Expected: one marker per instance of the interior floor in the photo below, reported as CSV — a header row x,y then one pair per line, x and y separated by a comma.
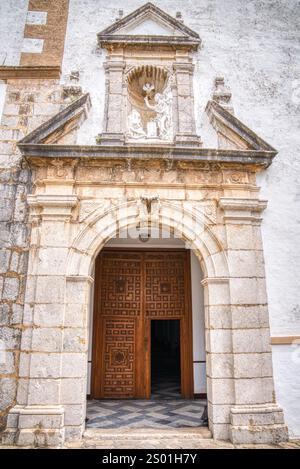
x,y
165,359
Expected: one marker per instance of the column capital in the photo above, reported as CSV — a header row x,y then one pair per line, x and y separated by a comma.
x,y
242,209
52,207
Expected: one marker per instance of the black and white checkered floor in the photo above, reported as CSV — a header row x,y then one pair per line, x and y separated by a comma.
x,y
165,409
141,413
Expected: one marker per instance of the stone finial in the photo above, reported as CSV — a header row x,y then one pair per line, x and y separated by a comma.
x,y
70,93
222,94
179,16
120,15
74,76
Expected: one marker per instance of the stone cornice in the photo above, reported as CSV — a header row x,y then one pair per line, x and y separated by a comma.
x,y
147,41
169,153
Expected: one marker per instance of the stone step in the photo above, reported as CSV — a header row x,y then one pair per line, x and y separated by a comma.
x,y
147,433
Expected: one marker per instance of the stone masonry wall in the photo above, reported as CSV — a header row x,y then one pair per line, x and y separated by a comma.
x,y
27,104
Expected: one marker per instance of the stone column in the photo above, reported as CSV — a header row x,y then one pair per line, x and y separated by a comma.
x,y
39,416
255,417
113,128
186,130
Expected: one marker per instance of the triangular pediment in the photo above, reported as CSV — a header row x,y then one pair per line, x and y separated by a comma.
x,y
62,125
149,24
232,133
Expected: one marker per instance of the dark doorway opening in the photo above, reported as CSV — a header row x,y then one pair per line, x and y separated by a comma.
x,y
165,359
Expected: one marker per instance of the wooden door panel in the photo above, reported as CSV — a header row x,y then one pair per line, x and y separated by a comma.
x,y
121,290
165,285
133,287
118,358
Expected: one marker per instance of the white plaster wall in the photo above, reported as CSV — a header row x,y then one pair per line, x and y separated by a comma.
x,y
197,307
12,23
255,46
286,365
2,96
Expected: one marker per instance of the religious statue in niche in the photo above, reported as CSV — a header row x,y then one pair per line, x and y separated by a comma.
x,y
150,104
161,125
135,125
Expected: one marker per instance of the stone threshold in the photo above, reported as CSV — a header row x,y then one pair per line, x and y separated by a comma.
x,y
140,433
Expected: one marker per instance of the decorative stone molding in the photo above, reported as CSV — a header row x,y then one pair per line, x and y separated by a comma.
x,y
233,133
64,122
242,210
53,207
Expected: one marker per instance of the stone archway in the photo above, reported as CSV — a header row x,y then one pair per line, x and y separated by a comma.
x,y
53,395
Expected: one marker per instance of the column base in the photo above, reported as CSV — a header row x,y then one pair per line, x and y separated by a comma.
x,y
35,426
253,424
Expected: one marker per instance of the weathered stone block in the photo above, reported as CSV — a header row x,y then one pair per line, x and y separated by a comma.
x,y
45,365
47,340
8,388
221,391
252,365
17,313
74,365
218,341
72,390
4,314
76,315
50,289
7,362
10,337
74,414
219,365
43,391
254,391
219,413
75,340
218,317
248,291
49,315
251,340
11,288
249,317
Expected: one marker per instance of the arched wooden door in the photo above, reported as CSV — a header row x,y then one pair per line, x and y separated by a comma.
x,y
132,287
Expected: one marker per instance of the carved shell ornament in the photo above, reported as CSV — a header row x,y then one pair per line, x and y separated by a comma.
x,y
150,104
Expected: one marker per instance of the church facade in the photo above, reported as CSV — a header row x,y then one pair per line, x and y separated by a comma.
x,y
134,193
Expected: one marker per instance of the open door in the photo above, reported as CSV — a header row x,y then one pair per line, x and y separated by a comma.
x,y
132,289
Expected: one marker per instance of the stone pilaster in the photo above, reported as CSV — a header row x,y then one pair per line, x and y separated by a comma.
x,y
186,130
219,358
255,417
113,132
39,416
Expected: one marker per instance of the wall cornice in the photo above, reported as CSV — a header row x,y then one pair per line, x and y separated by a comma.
x,y
168,153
